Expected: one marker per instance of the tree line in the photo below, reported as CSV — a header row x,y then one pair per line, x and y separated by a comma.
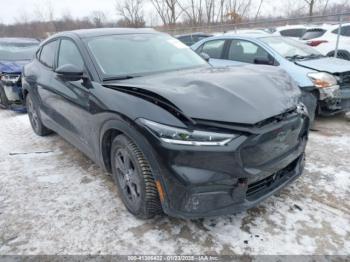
x,y
167,14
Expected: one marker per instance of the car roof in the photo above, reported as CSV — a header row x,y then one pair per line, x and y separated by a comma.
x,y
194,34
18,40
286,27
84,33
244,35
253,32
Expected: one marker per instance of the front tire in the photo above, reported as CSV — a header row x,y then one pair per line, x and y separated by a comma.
x,y
133,175
34,117
4,103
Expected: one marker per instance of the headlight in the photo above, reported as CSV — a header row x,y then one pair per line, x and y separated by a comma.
x,y
322,80
179,136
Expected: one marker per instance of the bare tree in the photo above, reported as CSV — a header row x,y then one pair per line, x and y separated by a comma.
x,y
132,13
45,11
98,18
236,10
210,8
325,7
167,10
258,11
311,6
193,10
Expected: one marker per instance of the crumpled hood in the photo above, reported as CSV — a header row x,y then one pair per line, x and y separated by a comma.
x,y
328,64
243,94
12,67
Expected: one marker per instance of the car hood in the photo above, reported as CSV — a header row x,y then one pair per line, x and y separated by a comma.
x,y
12,67
246,94
328,64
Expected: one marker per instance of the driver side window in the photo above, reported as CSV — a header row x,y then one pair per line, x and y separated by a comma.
x,y
69,54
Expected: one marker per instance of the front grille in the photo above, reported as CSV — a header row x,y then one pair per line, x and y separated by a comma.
x,y
344,79
261,149
263,186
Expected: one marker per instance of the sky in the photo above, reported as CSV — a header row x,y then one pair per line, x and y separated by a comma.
x,y
12,11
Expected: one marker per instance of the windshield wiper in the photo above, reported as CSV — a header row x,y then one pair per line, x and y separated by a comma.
x,y
294,57
115,78
300,57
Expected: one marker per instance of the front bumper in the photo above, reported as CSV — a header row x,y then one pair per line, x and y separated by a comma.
x,y
14,94
337,102
212,181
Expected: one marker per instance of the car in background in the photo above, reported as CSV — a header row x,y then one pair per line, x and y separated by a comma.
x,y
324,39
190,39
177,134
293,31
324,81
14,54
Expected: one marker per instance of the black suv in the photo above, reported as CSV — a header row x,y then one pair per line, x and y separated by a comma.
x,y
178,135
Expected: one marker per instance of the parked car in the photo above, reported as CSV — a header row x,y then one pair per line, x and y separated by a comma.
x,y
293,31
324,81
324,38
177,134
190,39
14,54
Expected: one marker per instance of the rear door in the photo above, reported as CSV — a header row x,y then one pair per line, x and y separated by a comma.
x,y
43,80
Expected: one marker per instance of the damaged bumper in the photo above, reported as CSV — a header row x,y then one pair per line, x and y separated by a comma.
x,y
12,86
212,181
334,100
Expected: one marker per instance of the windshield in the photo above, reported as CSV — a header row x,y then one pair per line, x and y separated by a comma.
x,y
17,51
138,54
290,48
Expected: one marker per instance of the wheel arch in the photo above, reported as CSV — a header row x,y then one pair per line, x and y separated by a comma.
x,y
127,127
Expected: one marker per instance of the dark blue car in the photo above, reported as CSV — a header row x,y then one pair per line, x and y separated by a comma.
x,y
14,54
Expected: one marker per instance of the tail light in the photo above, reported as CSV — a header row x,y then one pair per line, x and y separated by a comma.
x,y
316,42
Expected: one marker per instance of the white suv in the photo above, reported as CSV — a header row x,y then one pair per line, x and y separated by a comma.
x,y
324,39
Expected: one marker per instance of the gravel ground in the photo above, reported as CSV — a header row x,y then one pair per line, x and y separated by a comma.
x,y
53,200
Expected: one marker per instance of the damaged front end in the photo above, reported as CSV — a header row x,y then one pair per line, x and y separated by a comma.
x,y
215,179
11,83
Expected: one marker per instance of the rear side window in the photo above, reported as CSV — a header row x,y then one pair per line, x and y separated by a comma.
x,y
47,55
345,31
313,33
213,48
69,54
245,51
297,32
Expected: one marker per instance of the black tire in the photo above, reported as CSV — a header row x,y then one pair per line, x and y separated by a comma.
x,y
133,175
34,117
4,103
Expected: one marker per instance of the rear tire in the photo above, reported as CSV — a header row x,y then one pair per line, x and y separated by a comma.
x,y
4,103
34,117
133,175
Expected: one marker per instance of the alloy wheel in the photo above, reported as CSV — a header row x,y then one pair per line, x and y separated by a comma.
x,y
33,116
128,178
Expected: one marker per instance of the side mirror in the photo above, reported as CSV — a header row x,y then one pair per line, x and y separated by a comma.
x,y
264,61
205,56
70,72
